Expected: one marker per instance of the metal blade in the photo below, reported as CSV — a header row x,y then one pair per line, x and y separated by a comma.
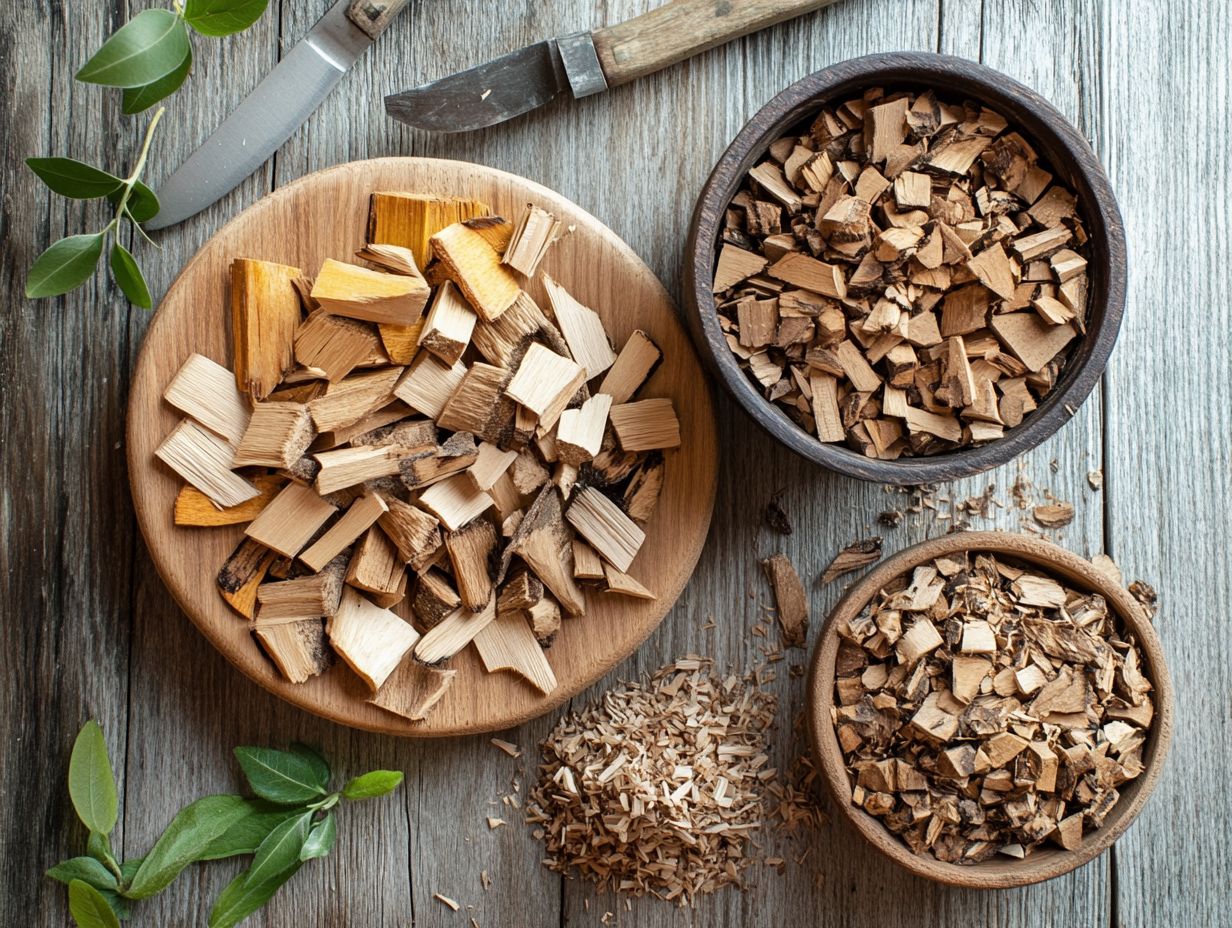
x,y
265,119
486,94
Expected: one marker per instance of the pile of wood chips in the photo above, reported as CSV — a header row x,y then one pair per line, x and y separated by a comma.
x,y
659,788
422,460
907,276
984,708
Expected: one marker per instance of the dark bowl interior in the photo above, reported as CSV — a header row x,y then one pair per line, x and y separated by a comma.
x,y
1068,155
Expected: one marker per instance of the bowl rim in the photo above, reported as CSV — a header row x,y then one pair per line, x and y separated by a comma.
x,y
1046,862
1044,125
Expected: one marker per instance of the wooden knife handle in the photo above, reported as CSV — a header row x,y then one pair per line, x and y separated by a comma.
x,y
374,16
682,28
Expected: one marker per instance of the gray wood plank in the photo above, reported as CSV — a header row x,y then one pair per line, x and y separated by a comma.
x,y
1169,481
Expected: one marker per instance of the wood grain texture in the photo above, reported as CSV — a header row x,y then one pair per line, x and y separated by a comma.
x,y
1045,863
328,212
90,628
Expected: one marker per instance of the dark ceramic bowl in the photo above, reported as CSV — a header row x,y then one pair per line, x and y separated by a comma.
x,y
1068,155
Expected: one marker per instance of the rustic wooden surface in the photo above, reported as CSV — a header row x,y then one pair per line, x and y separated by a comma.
x,y
331,207
89,630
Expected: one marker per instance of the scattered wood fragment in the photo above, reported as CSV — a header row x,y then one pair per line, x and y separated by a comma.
x,y
534,233
1054,515
265,312
278,434
620,583
856,555
204,460
377,569
507,643
790,599
370,639
205,391
413,689
290,520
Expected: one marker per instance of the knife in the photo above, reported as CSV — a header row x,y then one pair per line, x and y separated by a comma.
x,y
585,63
276,107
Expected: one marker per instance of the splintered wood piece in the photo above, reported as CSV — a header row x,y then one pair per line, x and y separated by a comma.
x,y
429,383
964,311
885,128
298,649
521,591
535,232
856,555
454,632
770,177
434,598
241,576
912,190
490,465
543,542
579,433
829,422
544,619
204,460
455,501
933,423
735,264
545,382
411,219
646,425
470,553
504,341
192,507
582,328
377,569
587,565
800,270
401,342
265,312
278,434
206,391
360,516
373,296
620,583
475,266
415,533
447,330
642,492
334,344
610,532
392,258
480,405
308,597
958,375
347,401
790,599
371,640
413,689
287,523
633,365
992,268
1030,339
508,643
390,425
856,367
346,467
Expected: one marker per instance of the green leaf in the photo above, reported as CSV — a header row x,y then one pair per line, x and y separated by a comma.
x,y
192,831
91,784
66,265
142,203
313,756
89,908
86,869
126,273
281,848
247,833
121,906
373,784
129,869
223,17
139,99
281,776
149,46
242,897
321,839
76,179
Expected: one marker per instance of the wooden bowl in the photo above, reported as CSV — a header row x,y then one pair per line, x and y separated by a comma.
x,y
1044,862
325,215
1057,141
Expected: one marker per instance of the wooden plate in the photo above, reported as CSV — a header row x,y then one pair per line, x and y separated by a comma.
x,y
324,215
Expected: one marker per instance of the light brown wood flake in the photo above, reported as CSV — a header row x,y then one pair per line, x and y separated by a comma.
x,y
455,501
507,643
475,266
854,556
579,432
535,232
449,324
192,507
371,640
335,345
359,517
351,399
278,434
373,296
632,367
413,689
204,460
646,425
265,312
454,632
298,649
545,382
287,523
602,523
205,391
429,383
582,329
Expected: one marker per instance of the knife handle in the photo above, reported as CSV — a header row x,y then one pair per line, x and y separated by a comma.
x,y
374,16
680,29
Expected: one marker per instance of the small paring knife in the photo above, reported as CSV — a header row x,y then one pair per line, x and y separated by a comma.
x,y
585,63
276,108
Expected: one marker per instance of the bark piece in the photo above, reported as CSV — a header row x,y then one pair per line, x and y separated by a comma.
x,y
241,575
790,599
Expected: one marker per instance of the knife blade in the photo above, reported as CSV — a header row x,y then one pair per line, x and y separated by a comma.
x,y
585,63
275,108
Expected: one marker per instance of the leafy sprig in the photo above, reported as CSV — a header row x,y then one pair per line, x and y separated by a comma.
x,y
291,820
148,59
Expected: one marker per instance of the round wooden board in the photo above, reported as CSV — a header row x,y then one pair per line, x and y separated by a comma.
x,y
324,215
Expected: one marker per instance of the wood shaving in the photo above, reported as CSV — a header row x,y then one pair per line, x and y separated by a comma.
x,y
508,747
445,900
983,708
856,555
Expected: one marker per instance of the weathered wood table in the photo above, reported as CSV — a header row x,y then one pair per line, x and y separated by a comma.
x,y
88,629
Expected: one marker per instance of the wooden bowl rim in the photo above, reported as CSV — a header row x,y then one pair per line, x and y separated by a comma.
x,y
276,684
1045,126
1045,862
